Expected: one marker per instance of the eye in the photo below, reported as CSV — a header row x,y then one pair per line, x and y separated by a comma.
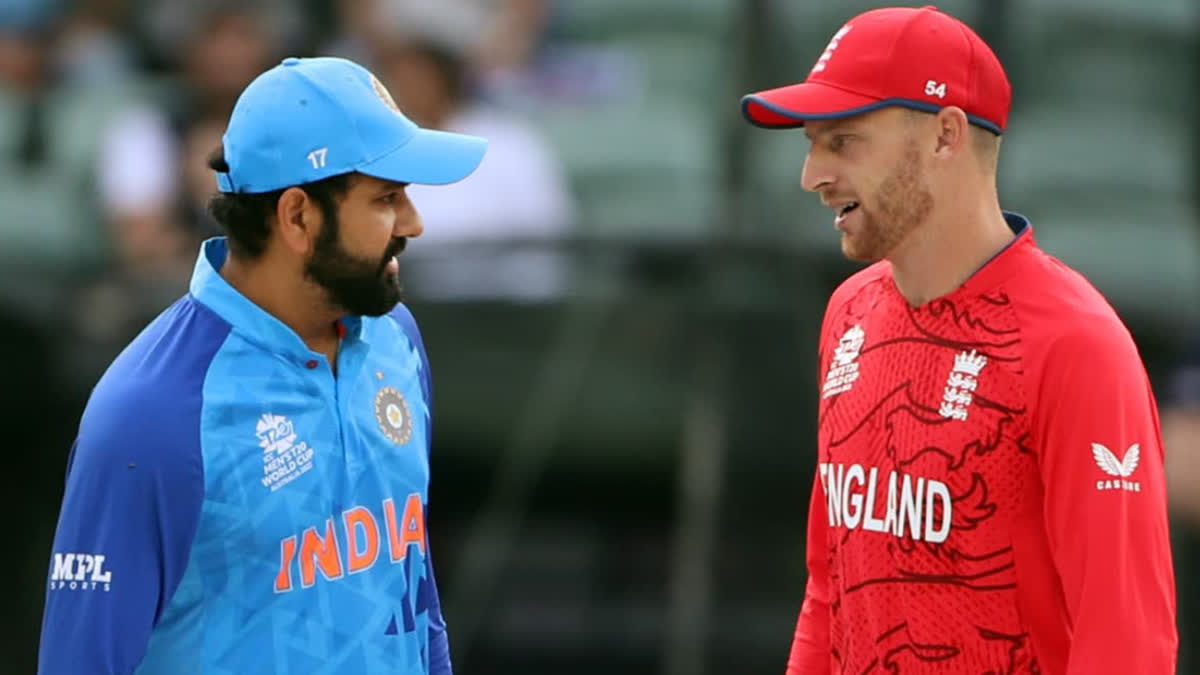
x,y
839,142
389,198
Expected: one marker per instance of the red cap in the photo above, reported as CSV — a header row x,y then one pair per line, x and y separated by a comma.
x,y
916,58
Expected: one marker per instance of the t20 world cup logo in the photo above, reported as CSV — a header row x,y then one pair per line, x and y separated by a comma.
x,y
275,434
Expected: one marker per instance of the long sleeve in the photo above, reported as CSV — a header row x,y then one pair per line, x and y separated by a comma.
x,y
810,645
124,535
1101,462
439,643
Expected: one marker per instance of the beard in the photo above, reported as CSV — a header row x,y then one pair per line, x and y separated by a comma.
x,y
902,203
361,286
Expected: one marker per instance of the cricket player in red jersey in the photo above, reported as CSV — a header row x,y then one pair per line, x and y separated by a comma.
x,y
989,496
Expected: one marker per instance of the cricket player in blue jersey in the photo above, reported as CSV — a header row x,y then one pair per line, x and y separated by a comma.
x,y
248,488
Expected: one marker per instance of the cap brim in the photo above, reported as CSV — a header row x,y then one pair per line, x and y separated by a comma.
x,y
791,106
430,158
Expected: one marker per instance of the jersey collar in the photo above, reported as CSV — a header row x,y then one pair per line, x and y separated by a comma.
x,y
1001,265
250,320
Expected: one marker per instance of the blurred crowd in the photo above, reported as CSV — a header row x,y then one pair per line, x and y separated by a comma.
x,y
109,107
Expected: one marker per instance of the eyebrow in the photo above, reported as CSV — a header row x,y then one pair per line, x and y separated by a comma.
x,y
389,186
838,125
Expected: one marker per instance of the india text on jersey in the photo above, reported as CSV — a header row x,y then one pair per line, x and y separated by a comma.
x,y
362,535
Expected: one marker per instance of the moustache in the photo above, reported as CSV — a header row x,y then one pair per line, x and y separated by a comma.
x,y
828,199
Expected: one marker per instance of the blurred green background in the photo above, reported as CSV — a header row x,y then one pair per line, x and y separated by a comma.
x,y
621,309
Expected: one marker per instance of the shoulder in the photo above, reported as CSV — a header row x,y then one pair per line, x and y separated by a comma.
x,y
403,318
858,282
171,354
864,282
1061,312
1071,335
149,400
401,323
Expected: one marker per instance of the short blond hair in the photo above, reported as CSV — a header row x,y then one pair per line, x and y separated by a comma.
x,y
987,147
984,143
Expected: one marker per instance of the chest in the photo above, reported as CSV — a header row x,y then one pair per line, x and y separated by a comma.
x,y
923,412
302,464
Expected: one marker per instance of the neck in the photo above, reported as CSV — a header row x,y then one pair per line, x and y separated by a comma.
x,y
271,285
948,248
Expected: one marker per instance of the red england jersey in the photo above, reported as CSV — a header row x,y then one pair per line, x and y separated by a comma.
x,y
989,496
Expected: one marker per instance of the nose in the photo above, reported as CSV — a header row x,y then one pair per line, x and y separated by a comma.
x,y
408,221
409,224
816,175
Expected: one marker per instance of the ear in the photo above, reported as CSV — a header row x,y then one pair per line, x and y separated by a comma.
x,y
298,220
953,132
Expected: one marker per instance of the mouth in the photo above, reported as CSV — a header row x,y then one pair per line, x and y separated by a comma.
x,y
391,264
843,212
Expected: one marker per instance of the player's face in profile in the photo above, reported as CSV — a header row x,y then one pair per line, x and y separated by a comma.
x,y
354,257
868,169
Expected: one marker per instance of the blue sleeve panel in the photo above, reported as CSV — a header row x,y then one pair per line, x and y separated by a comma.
x,y
439,644
408,324
134,491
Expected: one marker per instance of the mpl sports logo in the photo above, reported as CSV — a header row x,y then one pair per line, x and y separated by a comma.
x,y
80,572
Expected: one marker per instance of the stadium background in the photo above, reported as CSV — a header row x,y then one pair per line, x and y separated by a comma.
x,y
623,443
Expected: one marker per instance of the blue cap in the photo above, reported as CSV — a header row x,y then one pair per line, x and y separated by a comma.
x,y
308,119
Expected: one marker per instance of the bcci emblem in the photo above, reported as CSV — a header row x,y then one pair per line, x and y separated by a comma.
x,y
384,95
391,411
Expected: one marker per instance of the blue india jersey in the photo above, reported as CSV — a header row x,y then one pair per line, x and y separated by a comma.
x,y
234,506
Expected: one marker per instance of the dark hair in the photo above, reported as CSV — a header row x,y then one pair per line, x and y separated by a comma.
x,y
245,216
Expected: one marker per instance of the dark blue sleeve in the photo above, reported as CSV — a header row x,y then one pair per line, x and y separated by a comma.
x,y
124,534
439,644
134,490
408,324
